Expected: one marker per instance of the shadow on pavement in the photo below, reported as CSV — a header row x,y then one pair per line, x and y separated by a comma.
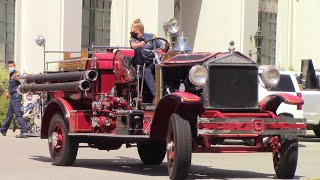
x,y
135,166
309,138
41,158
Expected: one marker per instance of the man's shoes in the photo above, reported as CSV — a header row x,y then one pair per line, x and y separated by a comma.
x,y
21,135
4,133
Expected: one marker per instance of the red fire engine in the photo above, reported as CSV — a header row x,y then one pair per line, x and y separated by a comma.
x,y
202,99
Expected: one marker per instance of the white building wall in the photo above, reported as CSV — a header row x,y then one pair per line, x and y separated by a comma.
x,y
297,33
152,14
210,25
59,21
283,43
28,24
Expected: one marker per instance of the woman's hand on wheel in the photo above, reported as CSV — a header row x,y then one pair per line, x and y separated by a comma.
x,y
142,43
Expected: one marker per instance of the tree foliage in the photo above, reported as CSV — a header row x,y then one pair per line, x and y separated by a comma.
x,y
4,102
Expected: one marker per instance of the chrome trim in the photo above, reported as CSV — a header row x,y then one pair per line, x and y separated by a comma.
x,y
281,132
79,110
217,120
109,135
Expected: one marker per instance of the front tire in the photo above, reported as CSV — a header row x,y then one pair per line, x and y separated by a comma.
x,y
63,148
285,162
152,152
179,147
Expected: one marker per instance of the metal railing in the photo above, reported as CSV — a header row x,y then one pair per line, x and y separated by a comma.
x,y
93,60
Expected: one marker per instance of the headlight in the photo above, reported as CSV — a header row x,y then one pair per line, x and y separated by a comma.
x,y
270,76
198,75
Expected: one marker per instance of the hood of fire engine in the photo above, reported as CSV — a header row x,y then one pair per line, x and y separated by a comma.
x,y
208,58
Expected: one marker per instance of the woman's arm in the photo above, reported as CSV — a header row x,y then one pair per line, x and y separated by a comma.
x,y
165,47
135,45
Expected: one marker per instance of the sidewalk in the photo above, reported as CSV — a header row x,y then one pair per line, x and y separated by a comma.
x,y
10,133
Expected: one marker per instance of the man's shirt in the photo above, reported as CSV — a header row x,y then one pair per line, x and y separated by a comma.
x,y
13,83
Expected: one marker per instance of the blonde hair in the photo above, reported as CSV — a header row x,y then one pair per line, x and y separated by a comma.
x,y
137,24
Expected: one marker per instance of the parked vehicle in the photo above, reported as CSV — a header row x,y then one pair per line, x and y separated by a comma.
x,y
287,84
309,79
201,99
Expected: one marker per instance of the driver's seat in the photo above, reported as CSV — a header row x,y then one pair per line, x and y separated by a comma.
x,y
122,66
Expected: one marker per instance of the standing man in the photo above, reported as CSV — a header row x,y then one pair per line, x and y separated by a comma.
x,y
15,102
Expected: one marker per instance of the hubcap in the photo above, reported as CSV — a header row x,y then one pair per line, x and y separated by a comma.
x,y
54,139
276,159
170,146
170,149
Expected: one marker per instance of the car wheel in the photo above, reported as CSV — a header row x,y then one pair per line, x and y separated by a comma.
x,y
317,131
63,148
285,161
152,152
179,147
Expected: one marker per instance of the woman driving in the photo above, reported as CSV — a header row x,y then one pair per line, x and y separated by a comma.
x,y
143,55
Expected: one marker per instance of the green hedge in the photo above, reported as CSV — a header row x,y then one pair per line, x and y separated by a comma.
x,y
4,103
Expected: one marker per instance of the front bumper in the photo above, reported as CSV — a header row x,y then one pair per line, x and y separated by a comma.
x,y
252,126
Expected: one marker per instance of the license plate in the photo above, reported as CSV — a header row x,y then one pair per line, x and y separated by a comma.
x,y
289,136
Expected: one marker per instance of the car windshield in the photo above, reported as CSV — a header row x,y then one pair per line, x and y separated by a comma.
x,y
285,84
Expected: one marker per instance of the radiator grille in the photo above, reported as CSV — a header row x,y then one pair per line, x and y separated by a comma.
x,y
233,87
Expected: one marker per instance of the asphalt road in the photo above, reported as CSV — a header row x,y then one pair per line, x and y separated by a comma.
x,y
29,159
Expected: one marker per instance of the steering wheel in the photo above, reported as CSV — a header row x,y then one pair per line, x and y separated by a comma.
x,y
155,49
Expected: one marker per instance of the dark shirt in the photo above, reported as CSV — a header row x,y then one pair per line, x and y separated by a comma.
x,y
145,37
13,84
137,59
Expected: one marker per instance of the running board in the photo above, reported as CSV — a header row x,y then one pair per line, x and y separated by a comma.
x,y
113,136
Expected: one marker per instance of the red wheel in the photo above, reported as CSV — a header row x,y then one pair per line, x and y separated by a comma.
x,y
179,147
63,149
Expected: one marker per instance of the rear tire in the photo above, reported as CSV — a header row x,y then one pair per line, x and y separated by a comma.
x,y
285,162
152,152
317,131
179,147
63,148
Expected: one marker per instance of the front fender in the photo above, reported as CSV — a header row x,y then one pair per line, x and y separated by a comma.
x,y
56,105
273,101
183,103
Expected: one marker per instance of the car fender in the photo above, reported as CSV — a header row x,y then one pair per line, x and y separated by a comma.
x,y
183,103
56,105
273,101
